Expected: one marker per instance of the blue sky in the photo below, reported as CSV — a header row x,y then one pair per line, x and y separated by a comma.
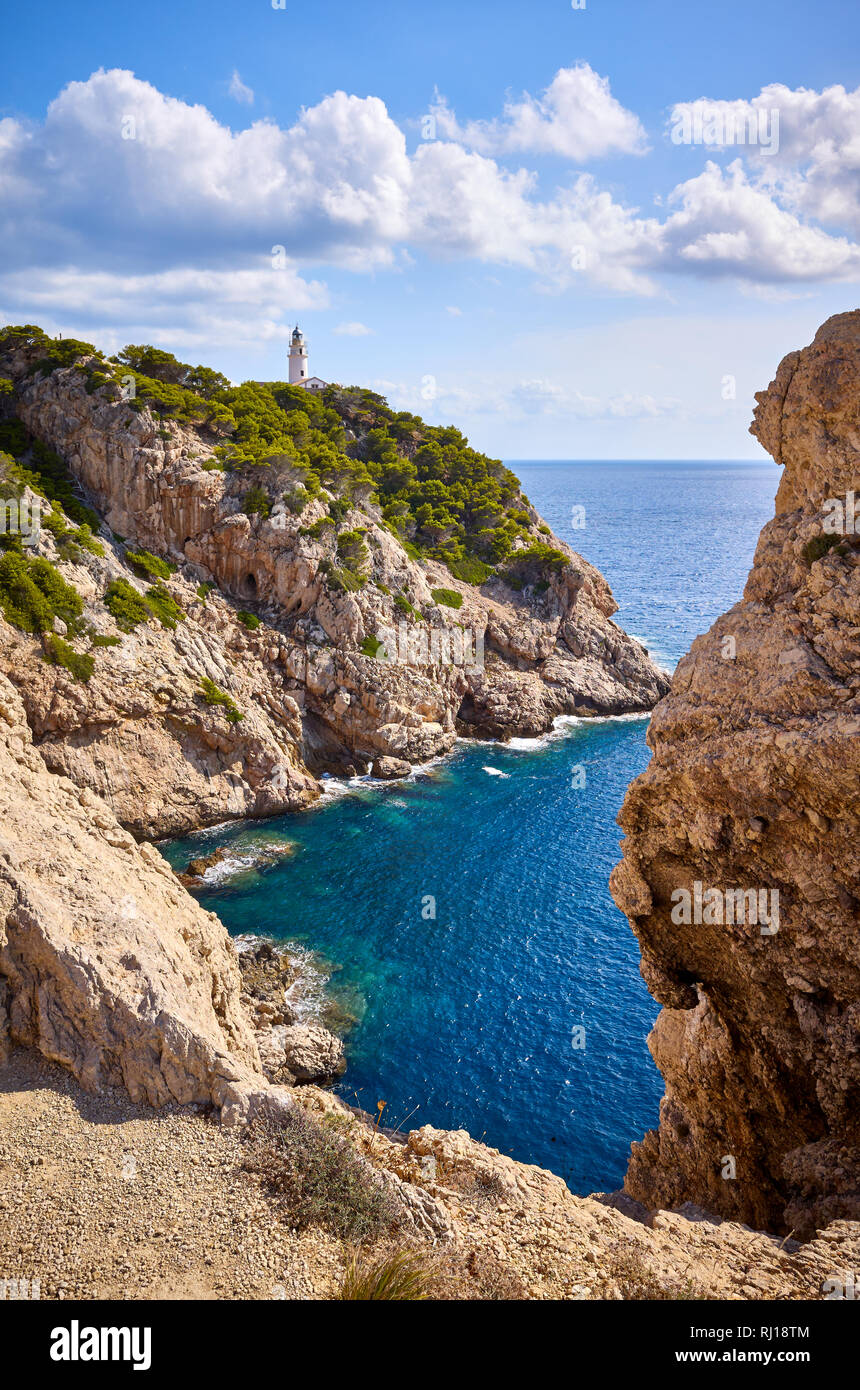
x,y
508,219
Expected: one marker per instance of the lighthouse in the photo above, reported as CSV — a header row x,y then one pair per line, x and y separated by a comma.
x,y
298,359
299,365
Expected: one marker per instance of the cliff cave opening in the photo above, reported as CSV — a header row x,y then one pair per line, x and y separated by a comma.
x,y
249,586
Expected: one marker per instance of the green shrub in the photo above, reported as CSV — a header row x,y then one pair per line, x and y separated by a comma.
x,y
315,531
214,696
38,467
205,589
59,653
164,607
129,609
250,620
449,597
819,546
347,579
14,438
470,570
84,537
11,480
534,563
341,579
296,500
317,1179
98,640
126,606
371,646
352,550
33,593
22,601
66,603
256,502
149,566
402,602
68,551
71,540
170,401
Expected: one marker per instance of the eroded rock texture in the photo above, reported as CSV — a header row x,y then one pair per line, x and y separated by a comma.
x,y
107,965
754,785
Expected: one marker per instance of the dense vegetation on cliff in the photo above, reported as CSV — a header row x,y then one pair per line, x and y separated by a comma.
x,y
438,495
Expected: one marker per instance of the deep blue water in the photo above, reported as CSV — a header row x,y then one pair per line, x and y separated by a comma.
x,y
467,1019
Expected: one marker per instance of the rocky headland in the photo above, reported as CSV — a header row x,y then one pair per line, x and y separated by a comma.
x,y
280,610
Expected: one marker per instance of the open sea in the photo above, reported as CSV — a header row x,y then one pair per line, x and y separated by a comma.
x,y
461,920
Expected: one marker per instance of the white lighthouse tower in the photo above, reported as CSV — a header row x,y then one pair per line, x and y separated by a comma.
x,y
298,359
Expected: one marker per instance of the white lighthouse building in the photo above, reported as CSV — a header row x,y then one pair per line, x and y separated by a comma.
x,y
299,364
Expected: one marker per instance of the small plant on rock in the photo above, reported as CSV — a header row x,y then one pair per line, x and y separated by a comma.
x,y
317,1179
214,696
401,1276
59,653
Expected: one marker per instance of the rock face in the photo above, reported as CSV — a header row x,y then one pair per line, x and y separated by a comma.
x,y
107,965
753,785
138,734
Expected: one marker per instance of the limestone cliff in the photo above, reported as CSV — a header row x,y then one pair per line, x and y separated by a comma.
x,y
753,785
313,698
107,965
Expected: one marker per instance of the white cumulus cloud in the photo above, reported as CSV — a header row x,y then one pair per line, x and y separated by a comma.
x,y
576,117
802,146
726,224
126,201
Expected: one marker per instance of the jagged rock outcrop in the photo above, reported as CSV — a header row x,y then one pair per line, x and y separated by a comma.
x,y
140,734
107,965
313,700
754,784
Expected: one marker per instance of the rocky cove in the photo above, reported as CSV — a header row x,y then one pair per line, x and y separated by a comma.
x,y
110,969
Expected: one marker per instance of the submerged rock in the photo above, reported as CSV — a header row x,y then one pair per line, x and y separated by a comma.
x,y
194,873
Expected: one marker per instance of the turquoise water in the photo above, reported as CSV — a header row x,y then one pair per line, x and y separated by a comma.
x,y
462,918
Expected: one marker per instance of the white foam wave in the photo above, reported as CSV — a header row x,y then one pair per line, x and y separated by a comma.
x,y
245,858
